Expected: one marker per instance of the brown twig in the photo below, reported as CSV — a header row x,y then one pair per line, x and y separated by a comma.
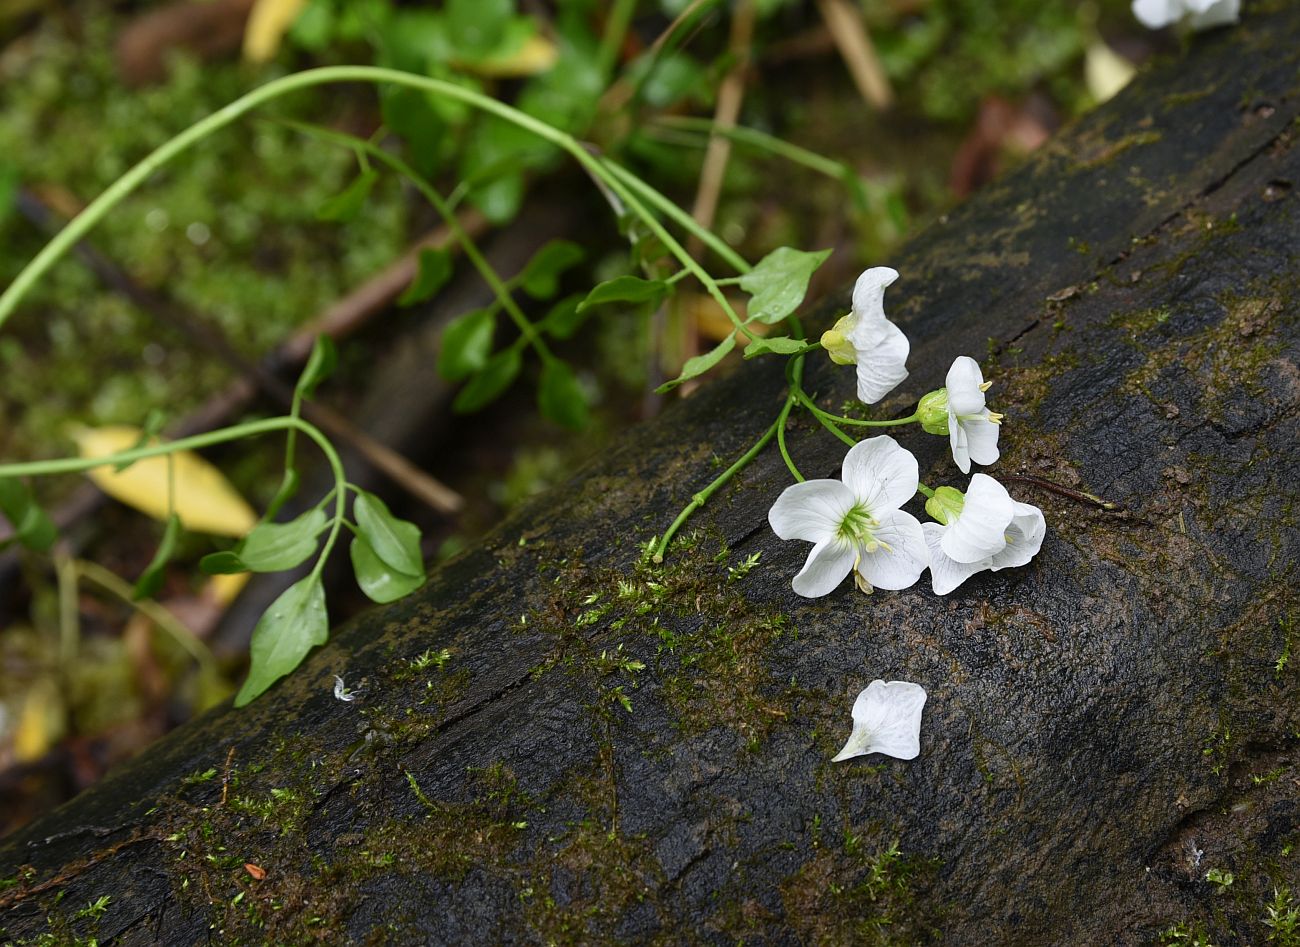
x,y
1068,492
338,320
844,22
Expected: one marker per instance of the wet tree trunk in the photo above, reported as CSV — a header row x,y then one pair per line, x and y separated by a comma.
x,y
1105,727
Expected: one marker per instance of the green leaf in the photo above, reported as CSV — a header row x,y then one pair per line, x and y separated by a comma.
x,y
221,563
629,289
466,344
410,116
320,365
151,579
345,205
778,284
541,277
396,542
377,579
499,199
776,345
564,318
274,547
477,27
561,398
490,382
432,275
294,624
700,364
31,526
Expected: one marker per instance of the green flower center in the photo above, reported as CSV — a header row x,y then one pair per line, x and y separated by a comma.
x,y
858,527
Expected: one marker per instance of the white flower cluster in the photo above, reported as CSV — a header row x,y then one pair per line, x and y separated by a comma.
x,y
857,523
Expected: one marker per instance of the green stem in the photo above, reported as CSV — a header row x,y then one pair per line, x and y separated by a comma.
x,y
684,220
761,140
853,422
82,224
925,490
702,497
38,468
780,439
499,287
615,32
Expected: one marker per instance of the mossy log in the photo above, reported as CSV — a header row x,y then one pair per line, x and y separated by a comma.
x,y
1110,730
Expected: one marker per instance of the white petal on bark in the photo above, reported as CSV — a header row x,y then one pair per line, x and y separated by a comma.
x,y
947,574
881,474
1212,14
982,439
886,719
1024,538
827,565
959,441
869,291
963,384
811,510
881,349
1156,14
980,531
902,555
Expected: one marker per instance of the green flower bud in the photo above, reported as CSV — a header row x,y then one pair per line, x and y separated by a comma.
x,y
933,412
836,343
946,504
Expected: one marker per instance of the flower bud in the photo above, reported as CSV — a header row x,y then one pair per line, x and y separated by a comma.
x,y
946,505
933,412
836,343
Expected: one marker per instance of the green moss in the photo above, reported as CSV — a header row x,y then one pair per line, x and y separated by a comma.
x,y
847,895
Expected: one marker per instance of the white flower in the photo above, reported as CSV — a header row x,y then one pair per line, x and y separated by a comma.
x,y
341,691
1199,14
972,427
886,719
985,529
866,338
856,523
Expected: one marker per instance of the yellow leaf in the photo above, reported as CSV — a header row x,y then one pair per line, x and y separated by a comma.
x,y
205,500
537,54
1105,71
268,21
41,722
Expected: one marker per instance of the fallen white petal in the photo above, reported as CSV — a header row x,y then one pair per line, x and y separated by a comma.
x,y
886,719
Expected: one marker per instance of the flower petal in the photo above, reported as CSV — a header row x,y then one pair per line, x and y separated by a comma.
x,y
945,573
965,396
881,349
902,555
886,719
880,474
981,529
1217,13
959,441
827,565
1024,538
1155,14
811,510
869,291
982,436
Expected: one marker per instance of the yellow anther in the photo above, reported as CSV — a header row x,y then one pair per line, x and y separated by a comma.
x,y
995,417
986,386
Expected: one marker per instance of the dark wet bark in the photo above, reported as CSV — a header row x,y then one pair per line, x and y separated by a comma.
x,y
1104,727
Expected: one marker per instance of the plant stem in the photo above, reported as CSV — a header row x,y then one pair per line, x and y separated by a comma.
x,y
38,468
500,288
678,216
616,25
761,140
79,226
925,490
853,422
702,497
